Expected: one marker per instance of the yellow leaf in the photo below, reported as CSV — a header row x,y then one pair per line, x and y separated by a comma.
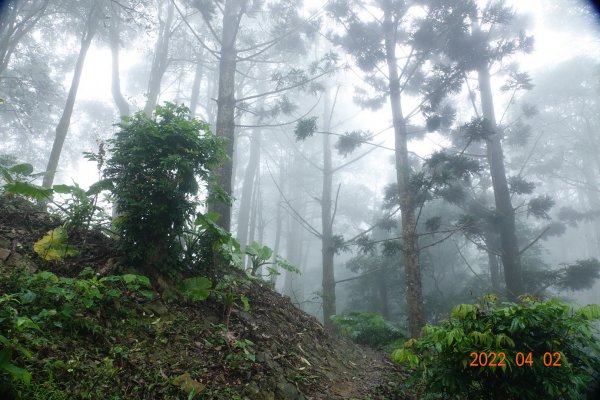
x,y
53,247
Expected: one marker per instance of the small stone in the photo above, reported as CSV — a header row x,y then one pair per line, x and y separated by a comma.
x,y
17,260
187,384
4,253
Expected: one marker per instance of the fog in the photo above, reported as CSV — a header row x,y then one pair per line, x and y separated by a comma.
x,y
495,192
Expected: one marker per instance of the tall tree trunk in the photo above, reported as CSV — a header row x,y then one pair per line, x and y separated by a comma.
x,y
382,280
278,223
232,16
65,120
254,210
294,232
490,242
161,58
410,245
115,44
508,237
293,255
211,93
196,85
247,187
327,251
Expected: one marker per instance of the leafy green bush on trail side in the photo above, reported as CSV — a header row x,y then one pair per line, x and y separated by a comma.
x,y
34,304
369,329
155,167
441,358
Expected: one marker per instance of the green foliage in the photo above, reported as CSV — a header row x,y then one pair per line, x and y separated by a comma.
x,y
583,274
28,190
11,321
347,143
442,357
35,304
156,165
368,328
519,185
196,288
479,129
305,128
211,244
243,355
539,206
79,208
259,256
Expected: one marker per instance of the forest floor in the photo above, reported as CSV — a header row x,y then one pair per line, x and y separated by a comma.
x,y
135,348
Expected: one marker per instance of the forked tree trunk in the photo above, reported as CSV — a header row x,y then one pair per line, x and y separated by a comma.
x,y
65,120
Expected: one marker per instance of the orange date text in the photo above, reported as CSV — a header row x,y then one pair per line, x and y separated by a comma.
x,y
493,359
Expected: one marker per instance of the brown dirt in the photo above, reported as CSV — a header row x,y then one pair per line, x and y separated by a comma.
x,y
295,357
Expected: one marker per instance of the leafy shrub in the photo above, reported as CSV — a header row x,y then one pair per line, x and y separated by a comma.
x,y
35,304
442,357
367,328
155,166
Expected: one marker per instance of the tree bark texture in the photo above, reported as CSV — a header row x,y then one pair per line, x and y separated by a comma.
x,y
65,120
232,16
508,238
410,245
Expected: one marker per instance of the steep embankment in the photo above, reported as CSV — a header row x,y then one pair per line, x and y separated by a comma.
x,y
131,347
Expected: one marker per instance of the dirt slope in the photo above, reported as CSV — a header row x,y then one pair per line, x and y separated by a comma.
x,y
163,350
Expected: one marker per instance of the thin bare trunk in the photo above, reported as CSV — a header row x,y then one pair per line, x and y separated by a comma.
x,y
278,223
196,86
115,44
247,187
327,250
65,120
160,60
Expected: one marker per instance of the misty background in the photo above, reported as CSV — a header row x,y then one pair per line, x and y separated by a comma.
x,y
314,147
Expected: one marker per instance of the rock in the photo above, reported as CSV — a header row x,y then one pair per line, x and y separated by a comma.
x,y
187,384
253,392
287,391
156,307
17,260
4,253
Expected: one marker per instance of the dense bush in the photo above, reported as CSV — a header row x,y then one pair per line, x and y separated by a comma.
x,y
370,329
443,356
156,167
35,306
